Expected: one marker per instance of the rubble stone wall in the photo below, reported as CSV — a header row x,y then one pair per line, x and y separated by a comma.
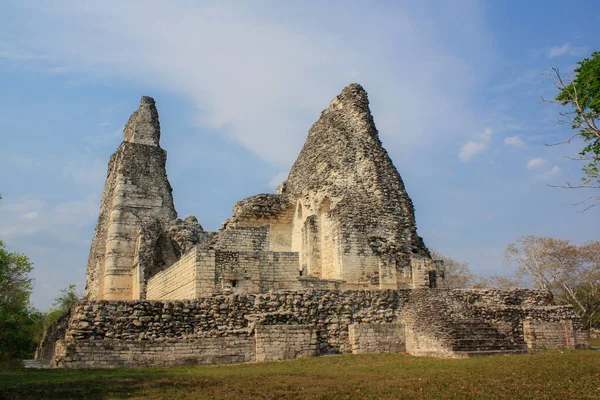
x,y
437,322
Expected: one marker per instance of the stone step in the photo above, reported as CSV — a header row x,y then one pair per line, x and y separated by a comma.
x,y
484,353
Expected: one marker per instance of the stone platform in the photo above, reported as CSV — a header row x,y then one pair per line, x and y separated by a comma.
x,y
225,329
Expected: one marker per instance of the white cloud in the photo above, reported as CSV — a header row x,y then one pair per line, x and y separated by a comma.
x,y
514,141
549,174
31,215
261,74
536,163
470,149
559,50
566,49
63,219
474,147
278,179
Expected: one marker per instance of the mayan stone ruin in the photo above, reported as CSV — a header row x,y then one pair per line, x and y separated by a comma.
x,y
331,263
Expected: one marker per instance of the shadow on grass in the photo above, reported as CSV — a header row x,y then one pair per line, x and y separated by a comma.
x,y
104,388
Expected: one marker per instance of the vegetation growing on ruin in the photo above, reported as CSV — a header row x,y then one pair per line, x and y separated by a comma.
x,y
549,375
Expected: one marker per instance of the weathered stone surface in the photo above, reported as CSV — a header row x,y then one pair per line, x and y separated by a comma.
x,y
332,263
299,323
343,163
377,338
137,224
343,208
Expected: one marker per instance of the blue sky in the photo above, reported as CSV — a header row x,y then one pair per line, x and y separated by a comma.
x,y
454,89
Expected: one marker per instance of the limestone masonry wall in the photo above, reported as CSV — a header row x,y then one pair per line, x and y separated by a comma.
x,y
285,342
178,282
551,335
116,353
377,338
252,327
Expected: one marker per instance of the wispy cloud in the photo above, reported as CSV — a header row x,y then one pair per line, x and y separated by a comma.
x,y
31,215
24,56
268,71
549,173
566,49
477,146
536,163
514,141
63,220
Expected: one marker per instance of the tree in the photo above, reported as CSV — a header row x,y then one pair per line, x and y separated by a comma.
x,y
457,274
498,282
569,271
62,304
581,96
18,320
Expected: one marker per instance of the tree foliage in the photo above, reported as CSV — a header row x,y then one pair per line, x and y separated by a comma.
x,y
581,97
62,304
456,274
571,272
19,322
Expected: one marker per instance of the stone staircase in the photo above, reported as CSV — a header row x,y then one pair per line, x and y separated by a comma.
x,y
454,325
476,337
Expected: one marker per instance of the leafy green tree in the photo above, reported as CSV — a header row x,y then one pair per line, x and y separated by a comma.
x,y
62,304
19,322
581,97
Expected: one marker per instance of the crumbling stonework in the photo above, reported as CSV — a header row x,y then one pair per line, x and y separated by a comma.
x,y
344,208
137,225
282,325
331,263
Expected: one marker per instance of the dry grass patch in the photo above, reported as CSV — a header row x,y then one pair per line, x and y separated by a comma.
x,y
549,375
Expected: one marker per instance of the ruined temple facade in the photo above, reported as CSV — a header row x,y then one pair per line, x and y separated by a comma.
x,y
341,220
330,264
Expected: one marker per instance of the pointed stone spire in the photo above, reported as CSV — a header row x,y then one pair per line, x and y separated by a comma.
x,y
137,192
143,126
344,166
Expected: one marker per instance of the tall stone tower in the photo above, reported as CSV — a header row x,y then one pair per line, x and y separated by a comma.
x,y
344,208
136,192
346,179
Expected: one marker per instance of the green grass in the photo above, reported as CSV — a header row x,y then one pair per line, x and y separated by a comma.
x,y
595,342
548,375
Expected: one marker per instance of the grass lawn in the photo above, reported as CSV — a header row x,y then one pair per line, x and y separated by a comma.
x,y
548,375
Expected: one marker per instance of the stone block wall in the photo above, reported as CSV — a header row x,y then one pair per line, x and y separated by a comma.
x,y
178,282
203,272
243,239
550,335
129,353
281,272
285,342
377,338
